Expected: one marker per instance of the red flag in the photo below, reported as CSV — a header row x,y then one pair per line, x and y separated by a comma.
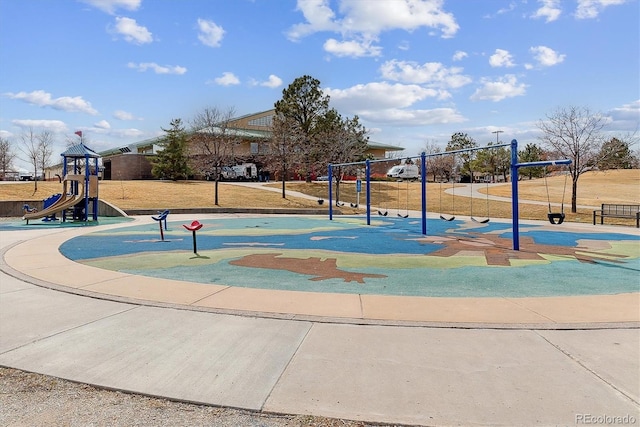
x,y
79,133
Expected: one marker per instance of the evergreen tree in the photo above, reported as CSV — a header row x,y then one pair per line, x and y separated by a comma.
x,y
532,153
615,154
173,161
462,141
302,105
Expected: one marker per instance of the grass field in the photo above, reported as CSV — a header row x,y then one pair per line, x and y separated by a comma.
x,y
594,188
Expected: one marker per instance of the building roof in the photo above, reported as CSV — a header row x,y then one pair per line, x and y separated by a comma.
x,y
387,147
80,151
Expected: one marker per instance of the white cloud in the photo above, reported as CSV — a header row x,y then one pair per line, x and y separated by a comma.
x,y
365,20
625,118
505,87
501,58
227,79
351,48
319,17
382,95
210,33
132,32
431,73
126,133
158,69
273,82
103,124
55,126
546,56
590,9
110,6
459,55
124,115
549,10
64,103
401,117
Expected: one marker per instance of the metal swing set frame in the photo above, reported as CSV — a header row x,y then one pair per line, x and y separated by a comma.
x,y
515,167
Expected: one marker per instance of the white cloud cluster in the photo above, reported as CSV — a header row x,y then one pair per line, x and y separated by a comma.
x,y
459,55
273,81
497,90
402,117
390,103
131,31
433,74
501,58
590,9
352,48
361,22
227,79
210,33
381,94
550,10
625,117
158,69
124,115
545,56
64,103
55,126
103,124
110,6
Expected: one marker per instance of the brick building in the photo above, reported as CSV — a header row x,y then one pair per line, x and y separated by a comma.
x,y
133,161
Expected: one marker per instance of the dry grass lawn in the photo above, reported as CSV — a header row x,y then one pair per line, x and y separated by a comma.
x,y
594,188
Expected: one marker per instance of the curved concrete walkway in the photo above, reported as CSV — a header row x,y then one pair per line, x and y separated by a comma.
x,y
562,362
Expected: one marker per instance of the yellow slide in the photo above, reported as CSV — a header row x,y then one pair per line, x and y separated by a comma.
x,y
65,201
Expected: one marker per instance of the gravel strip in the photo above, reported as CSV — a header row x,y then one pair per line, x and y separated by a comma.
x,y
28,399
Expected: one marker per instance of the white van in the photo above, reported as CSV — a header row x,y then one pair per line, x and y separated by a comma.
x,y
404,172
245,172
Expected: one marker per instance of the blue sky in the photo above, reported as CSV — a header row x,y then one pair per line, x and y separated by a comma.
x,y
414,71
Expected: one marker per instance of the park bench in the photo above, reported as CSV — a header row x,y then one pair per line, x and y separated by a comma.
x,y
617,211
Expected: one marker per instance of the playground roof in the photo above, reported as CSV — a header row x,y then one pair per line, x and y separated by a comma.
x,y
80,150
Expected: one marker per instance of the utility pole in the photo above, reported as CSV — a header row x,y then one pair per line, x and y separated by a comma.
x,y
497,132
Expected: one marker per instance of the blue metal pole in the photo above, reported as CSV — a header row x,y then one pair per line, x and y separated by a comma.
x,y
423,172
367,172
514,195
330,193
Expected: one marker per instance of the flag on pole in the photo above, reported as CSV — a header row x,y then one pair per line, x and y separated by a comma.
x,y
79,133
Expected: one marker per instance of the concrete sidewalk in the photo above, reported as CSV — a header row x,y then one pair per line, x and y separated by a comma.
x,y
395,374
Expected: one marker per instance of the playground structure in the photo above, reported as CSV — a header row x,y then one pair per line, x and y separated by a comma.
x,y
515,167
79,195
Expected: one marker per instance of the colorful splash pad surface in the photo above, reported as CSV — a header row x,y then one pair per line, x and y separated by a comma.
x,y
390,257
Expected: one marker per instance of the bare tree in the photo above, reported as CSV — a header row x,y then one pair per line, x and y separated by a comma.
x,y
284,149
45,151
7,155
30,148
438,165
339,140
574,133
213,143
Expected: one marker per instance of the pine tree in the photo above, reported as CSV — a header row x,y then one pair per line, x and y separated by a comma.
x,y
173,161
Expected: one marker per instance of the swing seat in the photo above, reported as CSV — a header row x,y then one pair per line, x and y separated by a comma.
x,y
447,219
480,221
385,213
556,218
